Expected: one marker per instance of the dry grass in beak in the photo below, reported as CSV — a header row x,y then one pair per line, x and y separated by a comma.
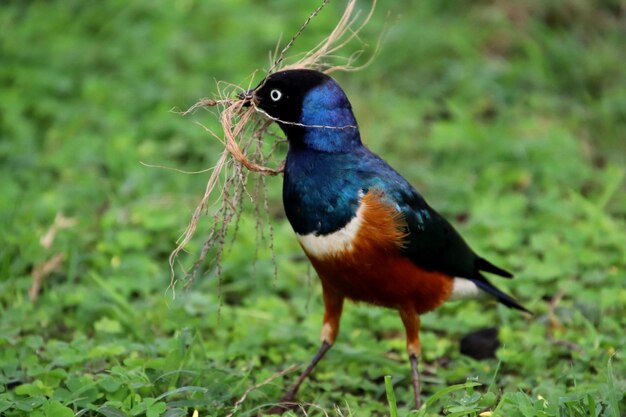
x,y
243,132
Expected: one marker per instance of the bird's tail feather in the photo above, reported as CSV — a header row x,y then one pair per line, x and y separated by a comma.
x,y
505,299
484,265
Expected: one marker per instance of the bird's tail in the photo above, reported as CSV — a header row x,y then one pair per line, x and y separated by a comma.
x,y
484,265
504,298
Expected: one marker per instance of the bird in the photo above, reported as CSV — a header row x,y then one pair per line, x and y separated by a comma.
x,y
370,236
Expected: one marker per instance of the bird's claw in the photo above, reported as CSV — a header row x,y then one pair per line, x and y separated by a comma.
x,y
286,403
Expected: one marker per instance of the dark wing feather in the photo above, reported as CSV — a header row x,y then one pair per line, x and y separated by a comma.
x,y
433,244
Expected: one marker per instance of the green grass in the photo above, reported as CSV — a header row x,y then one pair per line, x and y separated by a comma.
x,y
508,116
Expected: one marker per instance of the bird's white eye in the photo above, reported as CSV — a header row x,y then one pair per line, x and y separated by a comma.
x,y
275,95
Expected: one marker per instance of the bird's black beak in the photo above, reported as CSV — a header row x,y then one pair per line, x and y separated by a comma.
x,y
247,97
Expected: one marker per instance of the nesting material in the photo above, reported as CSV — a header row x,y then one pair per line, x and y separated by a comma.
x,y
243,129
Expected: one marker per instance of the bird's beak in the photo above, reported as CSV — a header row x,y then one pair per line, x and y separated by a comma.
x,y
247,97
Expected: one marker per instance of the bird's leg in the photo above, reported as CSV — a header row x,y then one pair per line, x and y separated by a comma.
x,y
411,321
415,373
333,305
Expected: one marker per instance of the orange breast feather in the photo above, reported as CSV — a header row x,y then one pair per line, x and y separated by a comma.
x,y
371,267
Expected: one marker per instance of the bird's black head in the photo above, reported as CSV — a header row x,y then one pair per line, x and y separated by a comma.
x,y
310,107
282,94
301,102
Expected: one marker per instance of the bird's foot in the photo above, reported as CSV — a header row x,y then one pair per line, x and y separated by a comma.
x,y
288,402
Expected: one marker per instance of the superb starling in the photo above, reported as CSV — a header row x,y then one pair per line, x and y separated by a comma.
x,y
370,236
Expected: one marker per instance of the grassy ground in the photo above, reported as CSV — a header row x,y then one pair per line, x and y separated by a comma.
x,y
508,116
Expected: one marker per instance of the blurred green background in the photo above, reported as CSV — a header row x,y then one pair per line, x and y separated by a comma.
x,y
508,116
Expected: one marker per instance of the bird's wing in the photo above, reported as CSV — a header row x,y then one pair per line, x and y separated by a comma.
x,y
431,242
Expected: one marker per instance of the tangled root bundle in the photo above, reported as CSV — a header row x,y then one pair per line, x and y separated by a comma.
x,y
243,131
